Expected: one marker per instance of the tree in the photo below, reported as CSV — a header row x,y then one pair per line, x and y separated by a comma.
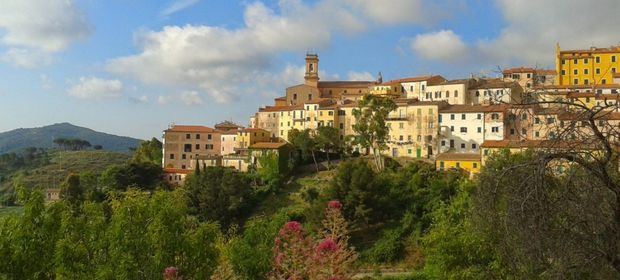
x,y
71,190
327,138
537,207
219,194
370,125
354,185
149,151
304,142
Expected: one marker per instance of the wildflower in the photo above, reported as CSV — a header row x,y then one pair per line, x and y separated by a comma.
x,y
334,204
327,245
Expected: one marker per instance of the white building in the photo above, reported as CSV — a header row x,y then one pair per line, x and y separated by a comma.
x,y
461,129
415,87
494,91
454,92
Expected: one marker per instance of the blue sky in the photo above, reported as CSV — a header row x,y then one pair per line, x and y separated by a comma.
x,y
131,67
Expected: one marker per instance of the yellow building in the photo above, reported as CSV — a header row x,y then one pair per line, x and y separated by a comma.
x,y
592,66
249,136
470,162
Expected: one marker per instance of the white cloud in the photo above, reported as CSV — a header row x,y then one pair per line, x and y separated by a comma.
x,y
529,34
49,25
442,45
191,98
143,99
360,76
187,98
532,30
228,63
93,88
178,6
26,58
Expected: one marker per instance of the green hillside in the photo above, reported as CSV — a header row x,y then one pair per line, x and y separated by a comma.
x,y
62,163
43,137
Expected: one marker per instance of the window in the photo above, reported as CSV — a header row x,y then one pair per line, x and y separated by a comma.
x,y
475,165
537,134
401,138
183,166
443,143
439,119
447,93
458,165
401,125
462,116
477,93
597,59
187,136
183,156
512,131
197,146
441,165
341,126
613,58
451,128
563,72
575,81
603,81
463,129
423,86
523,131
474,146
486,152
171,156
187,148
281,132
524,116
529,75
563,61
209,136
295,96
586,81
479,129
451,143
575,61
456,93
452,116
613,70
462,145
575,71
536,120
587,98
419,138
495,129
494,116
330,113
479,116
585,61
597,71
586,71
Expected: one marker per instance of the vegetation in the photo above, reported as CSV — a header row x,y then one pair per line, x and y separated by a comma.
x,y
41,137
371,130
72,144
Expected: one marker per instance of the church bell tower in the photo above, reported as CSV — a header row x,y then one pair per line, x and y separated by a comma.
x,y
312,70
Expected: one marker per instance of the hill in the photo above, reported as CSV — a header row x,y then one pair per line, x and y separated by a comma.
x,y
42,137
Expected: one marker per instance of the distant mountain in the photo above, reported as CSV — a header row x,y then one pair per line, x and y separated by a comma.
x,y
43,137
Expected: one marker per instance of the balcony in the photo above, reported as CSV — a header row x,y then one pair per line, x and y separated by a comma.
x,y
396,117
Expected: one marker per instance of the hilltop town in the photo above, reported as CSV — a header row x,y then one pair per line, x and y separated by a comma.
x,y
455,123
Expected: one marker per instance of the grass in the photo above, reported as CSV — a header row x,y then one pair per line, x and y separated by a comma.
x,y
11,210
63,163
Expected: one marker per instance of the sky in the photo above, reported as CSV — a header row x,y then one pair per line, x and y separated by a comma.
x,y
133,67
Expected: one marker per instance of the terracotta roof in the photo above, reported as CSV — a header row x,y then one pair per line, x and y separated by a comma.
x,y
612,49
281,108
543,144
435,78
493,83
253,130
617,75
580,94
354,84
455,82
178,171
283,98
268,145
473,108
603,115
459,156
229,132
529,70
569,87
190,128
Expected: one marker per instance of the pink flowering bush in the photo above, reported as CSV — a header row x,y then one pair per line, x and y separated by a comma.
x,y
172,273
296,256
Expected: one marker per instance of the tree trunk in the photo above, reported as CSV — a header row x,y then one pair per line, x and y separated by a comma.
x,y
615,258
328,161
316,165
